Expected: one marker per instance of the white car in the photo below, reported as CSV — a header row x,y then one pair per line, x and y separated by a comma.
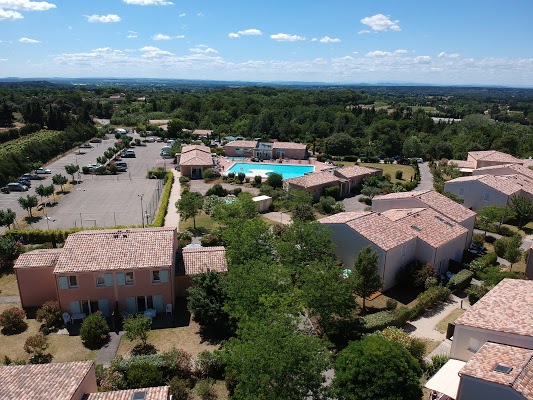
x,y
43,171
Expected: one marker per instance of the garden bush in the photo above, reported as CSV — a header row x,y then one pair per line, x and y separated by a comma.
x,y
209,365
179,389
205,389
415,274
209,174
275,180
378,321
237,191
489,259
217,190
210,240
461,280
231,175
391,304
436,363
332,191
159,219
50,316
94,331
144,375
476,292
402,315
12,321
257,180
478,239
430,298
184,179
500,245
398,174
241,177
35,346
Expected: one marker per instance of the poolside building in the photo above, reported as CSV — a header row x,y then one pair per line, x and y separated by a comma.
x,y
194,160
266,150
316,182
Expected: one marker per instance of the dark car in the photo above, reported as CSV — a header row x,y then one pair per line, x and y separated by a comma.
x,y
5,189
95,140
24,181
128,154
86,146
17,187
31,177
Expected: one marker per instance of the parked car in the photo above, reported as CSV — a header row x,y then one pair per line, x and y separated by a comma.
x,y
95,140
41,171
159,140
93,167
5,189
150,140
17,187
24,181
128,154
121,164
31,177
86,146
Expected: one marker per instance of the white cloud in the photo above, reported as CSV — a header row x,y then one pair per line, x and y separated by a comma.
x,y
28,40
381,23
148,2
442,54
246,32
103,19
422,60
379,53
314,39
362,32
3,59
200,14
400,51
161,36
327,39
10,15
26,5
131,35
203,49
285,37
149,48
154,52
182,15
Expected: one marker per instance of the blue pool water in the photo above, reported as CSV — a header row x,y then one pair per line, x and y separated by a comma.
x,y
236,158
286,170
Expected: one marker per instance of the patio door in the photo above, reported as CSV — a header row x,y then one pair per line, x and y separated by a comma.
x,y
158,303
103,306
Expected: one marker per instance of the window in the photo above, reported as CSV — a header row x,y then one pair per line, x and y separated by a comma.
x,y
486,196
156,277
144,303
129,278
100,280
72,281
160,276
461,191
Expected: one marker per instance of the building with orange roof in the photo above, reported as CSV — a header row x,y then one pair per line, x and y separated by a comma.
x,y
194,160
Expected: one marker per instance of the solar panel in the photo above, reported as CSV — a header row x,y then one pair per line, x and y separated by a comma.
x,y
503,369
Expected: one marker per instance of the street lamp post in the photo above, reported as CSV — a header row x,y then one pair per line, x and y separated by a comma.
x,y
142,211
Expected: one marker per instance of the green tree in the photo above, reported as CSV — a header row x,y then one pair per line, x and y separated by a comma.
x,y
94,331
370,191
6,116
8,251
61,180
36,345
376,368
274,361
175,127
7,217
137,327
28,203
275,180
412,147
495,214
71,169
339,144
206,300
365,279
189,206
522,207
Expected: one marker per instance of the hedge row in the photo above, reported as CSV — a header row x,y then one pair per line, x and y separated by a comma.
x,y
461,280
379,321
159,220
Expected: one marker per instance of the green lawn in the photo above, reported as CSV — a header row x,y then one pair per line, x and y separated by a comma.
x,y
442,325
8,284
203,223
390,169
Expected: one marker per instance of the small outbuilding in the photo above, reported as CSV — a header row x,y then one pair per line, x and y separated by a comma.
x,y
263,203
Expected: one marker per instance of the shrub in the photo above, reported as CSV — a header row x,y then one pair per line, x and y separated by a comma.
x,y
12,321
94,331
478,239
217,190
184,179
430,298
489,259
144,375
332,191
414,275
257,180
159,219
209,174
247,180
365,200
275,180
391,304
35,346
378,321
85,169
205,389
179,389
111,380
240,177
231,175
237,191
417,348
436,363
430,282
398,174
49,314
476,292
402,315
210,240
490,239
209,365
461,280
500,246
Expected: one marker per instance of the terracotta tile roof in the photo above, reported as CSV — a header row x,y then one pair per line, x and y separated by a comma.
x,y
289,145
431,227
200,132
445,205
520,378
395,214
313,179
152,393
251,144
58,381
38,258
493,155
197,260
343,217
506,308
463,163
190,147
400,195
115,249
158,121
355,171
505,183
196,157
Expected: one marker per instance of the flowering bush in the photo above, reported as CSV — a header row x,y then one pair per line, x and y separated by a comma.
x,y
12,321
50,315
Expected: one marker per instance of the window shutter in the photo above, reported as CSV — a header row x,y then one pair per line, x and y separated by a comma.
x,y
108,279
158,303
163,275
120,279
103,307
75,307
63,282
131,305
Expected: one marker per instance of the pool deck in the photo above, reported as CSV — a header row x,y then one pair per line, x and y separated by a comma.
x,y
225,164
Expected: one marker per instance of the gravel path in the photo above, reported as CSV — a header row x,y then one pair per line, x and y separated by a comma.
x,y
173,218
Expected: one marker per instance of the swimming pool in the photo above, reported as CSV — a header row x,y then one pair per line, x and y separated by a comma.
x,y
263,169
236,158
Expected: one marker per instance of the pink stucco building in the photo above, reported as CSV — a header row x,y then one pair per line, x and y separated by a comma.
x,y
103,270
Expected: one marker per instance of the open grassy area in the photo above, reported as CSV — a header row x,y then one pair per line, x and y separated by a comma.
x,y
442,325
203,222
8,284
184,337
62,347
391,169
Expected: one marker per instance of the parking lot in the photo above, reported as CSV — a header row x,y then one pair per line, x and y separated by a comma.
x,y
101,200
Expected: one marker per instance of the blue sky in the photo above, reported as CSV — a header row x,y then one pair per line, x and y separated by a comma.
x,y
357,41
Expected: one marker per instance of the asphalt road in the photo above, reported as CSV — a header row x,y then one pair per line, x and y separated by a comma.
x,y
103,201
